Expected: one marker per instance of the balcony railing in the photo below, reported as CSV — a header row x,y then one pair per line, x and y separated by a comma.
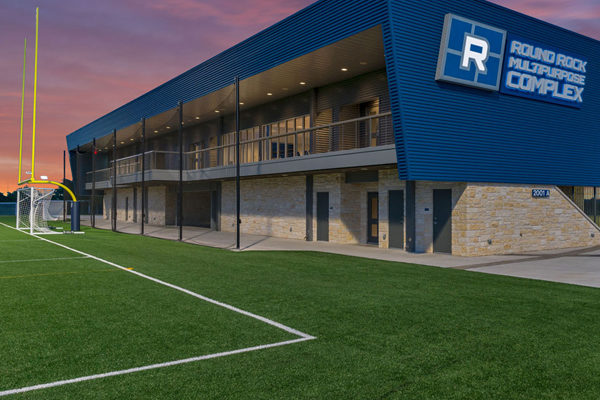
x,y
260,146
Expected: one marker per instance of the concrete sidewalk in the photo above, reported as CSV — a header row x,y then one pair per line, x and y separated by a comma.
x,y
576,266
226,240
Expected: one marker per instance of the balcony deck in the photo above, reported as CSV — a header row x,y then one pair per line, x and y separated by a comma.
x,y
361,142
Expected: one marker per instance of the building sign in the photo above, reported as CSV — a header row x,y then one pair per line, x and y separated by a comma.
x,y
471,53
540,193
540,72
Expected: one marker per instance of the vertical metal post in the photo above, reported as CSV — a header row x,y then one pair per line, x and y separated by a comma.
x,y
309,207
93,211
237,162
63,181
113,214
143,172
77,173
595,205
180,186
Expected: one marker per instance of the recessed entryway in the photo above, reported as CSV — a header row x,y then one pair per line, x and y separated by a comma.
x,y
442,220
396,219
323,216
373,217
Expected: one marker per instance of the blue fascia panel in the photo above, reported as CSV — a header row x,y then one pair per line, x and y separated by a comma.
x,y
462,134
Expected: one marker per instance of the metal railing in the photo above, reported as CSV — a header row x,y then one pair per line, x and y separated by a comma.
x,y
262,145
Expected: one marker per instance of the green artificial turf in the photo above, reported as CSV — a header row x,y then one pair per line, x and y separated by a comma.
x,y
384,330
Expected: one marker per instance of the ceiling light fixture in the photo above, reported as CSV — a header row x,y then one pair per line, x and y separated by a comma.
x,y
344,69
217,111
269,94
241,103
155,131
197,117
303,83
122,142
131,139
363,63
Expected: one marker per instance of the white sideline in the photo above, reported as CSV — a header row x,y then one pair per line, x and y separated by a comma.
x,y
42,259
147,367
303,336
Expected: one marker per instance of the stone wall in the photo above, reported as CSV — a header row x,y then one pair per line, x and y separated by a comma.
x,y
424,214
269,206
156,205
347,207
126,209
388,180
515,222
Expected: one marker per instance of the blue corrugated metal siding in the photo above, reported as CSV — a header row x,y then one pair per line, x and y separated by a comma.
x,y
318,25
454,133
395,96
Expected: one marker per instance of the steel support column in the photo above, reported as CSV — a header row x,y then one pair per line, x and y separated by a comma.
x,y
93,205
64,183
180,186
143,173
113,213
237,162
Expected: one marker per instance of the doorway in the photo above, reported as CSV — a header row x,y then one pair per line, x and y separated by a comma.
x,y
323,216
396,218
373,217
442,220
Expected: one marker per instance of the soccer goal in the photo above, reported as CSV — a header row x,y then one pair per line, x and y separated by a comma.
x,y
33,210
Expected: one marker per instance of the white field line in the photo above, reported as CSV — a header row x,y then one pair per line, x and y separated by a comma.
x,y
41,259
303,336
152,366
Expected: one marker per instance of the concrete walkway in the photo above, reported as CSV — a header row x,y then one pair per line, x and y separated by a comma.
x,y
576,266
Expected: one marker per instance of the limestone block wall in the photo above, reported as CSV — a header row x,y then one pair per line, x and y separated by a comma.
x,y
347,207
388,180
157,205
269,206
354,210
515,222
330,183
424,214
127,211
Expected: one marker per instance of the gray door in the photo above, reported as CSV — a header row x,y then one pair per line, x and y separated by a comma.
x,y
442,220
396,218
323,216
373,217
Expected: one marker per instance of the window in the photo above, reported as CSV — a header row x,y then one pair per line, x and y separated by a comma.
x,y
275,143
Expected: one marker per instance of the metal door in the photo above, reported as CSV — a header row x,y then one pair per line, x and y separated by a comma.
x,y
396,218
442,220
323,216
373,217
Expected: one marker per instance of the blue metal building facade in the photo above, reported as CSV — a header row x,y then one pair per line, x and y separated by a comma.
x,y
444,132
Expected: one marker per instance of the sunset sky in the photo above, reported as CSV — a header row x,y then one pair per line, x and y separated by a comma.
x,y
96,56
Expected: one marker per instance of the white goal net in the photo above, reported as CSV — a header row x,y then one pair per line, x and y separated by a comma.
x,y
34,210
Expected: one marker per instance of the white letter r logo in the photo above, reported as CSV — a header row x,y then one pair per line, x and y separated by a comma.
x,y
476,49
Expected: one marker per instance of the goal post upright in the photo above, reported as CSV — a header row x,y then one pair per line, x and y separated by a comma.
x,y
22,110
75,218
35,64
